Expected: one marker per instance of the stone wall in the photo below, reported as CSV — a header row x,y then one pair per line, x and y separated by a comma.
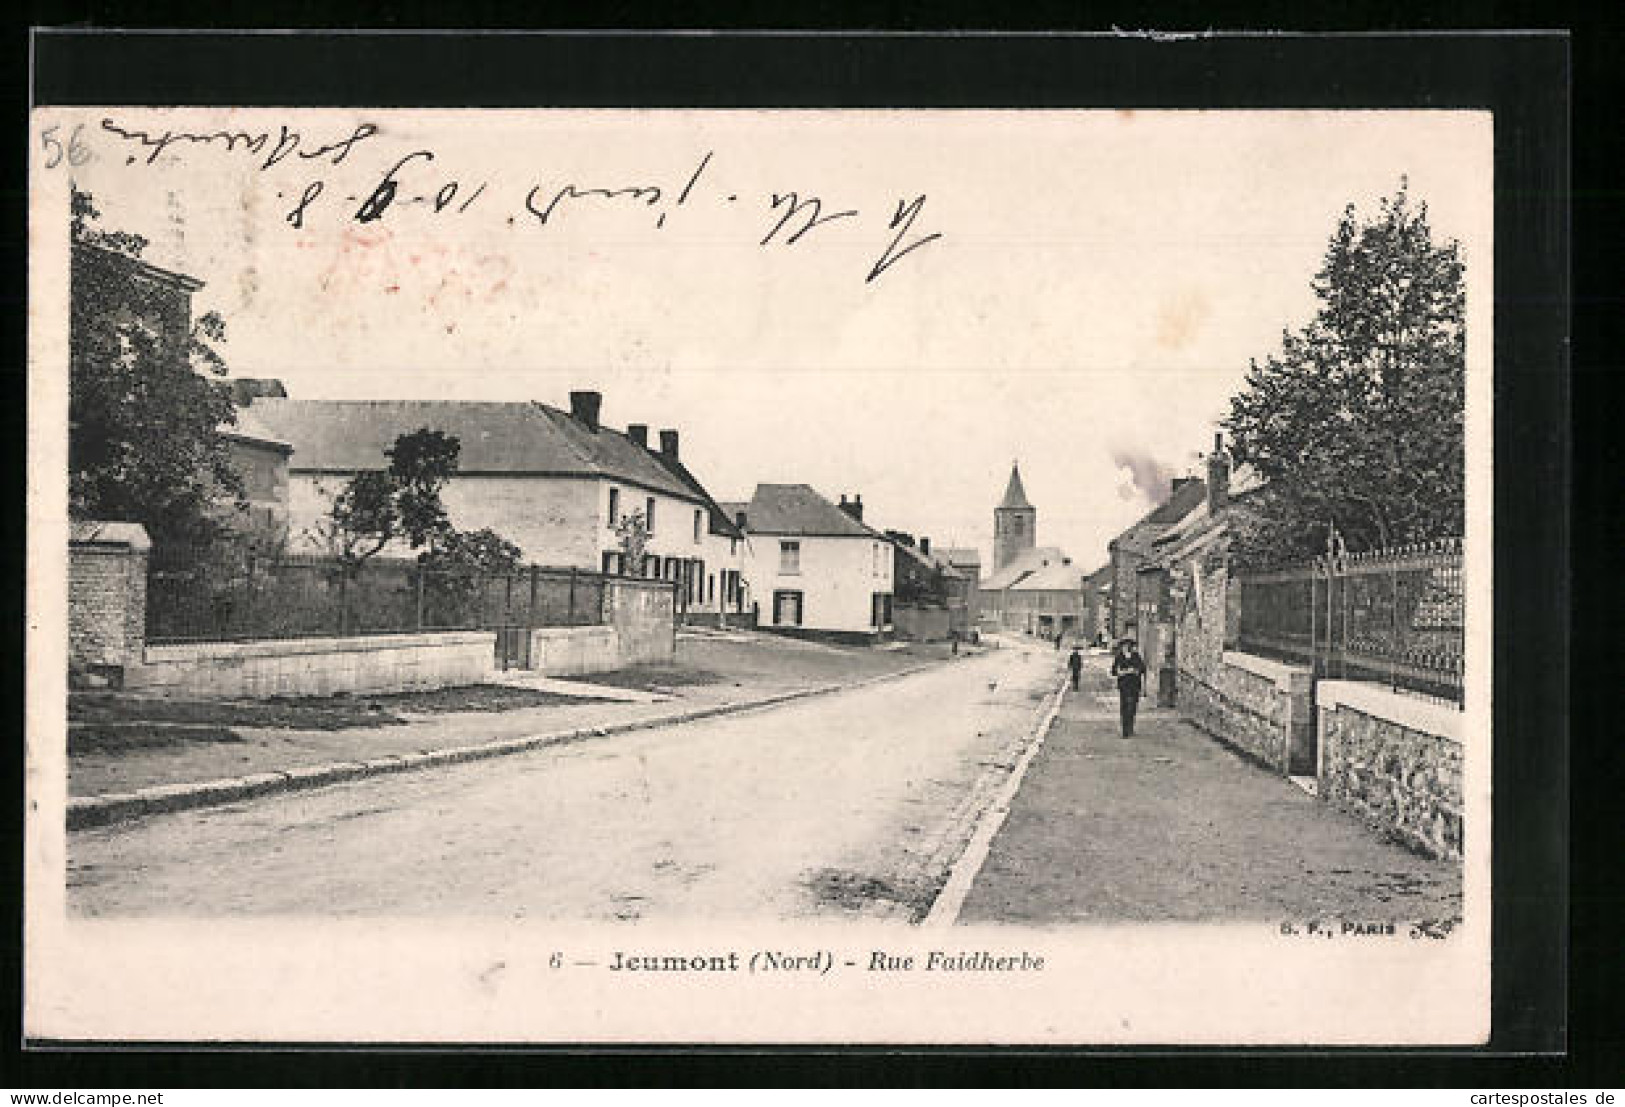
x,y
643,615
1257,705
1202,622
1394,760
316,666
571,651
107,598
638,629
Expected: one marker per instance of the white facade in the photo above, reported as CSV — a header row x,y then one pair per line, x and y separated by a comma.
x,y
562,522
821,583
681,547
553,520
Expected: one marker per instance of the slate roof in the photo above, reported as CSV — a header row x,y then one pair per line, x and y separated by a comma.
x,y
962,555
931,561
1051,578
1186,498
519,439
247,428
1029,561
1015,496
1198,528
792,509
720,521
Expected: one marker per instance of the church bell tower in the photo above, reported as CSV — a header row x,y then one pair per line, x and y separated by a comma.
x,y
1015,523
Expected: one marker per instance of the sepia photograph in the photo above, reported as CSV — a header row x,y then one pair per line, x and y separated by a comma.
x,y
563,575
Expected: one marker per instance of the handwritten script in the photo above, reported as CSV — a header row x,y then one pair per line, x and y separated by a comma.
x,y
783,219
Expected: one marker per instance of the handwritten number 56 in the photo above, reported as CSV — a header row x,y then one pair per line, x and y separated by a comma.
x,y
76,152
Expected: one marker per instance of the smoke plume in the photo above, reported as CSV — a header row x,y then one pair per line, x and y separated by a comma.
x,y
1150,477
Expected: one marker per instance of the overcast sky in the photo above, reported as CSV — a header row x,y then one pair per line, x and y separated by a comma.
x,y
1100,282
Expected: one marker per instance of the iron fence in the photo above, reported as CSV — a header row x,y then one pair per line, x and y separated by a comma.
x,y
1394,615
224,595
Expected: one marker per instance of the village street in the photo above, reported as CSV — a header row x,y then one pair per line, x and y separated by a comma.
x,y
844,805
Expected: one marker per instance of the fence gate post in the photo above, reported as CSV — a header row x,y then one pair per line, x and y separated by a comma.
x,y
420,598
506,633
1393,619
570,615
530,619
344,600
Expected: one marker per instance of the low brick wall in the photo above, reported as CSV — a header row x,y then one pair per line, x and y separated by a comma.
x,y
316,666
107,598
1258,705
1395,761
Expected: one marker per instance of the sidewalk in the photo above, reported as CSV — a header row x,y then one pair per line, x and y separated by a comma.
x,y
707,677
1172,826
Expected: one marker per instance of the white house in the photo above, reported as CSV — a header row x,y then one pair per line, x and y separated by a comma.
x,y
812,566
554,482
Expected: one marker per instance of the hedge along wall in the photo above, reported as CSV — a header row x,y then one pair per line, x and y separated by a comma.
x,y
1395,760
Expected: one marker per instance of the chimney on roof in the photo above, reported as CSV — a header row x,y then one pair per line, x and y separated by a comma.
x,y
584,407
925,546
853,507
639,433
245,390
668,443
1218,476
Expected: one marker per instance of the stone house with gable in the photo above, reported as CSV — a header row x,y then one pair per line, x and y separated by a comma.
x,y
1134,547
813,567
931,594
556,483
967,562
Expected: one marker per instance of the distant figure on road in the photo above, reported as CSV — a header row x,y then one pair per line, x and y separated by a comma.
x,y
1129,669
1075,663
1058,636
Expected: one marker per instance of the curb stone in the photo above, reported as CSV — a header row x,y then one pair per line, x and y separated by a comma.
x,y
986,807
85,812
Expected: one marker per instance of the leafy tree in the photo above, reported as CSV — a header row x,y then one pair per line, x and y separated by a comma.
x,y
632,533
380,506
1357,422
420,464
477,551
362,519
143,415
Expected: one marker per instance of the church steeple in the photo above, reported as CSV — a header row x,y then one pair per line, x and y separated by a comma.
x,y
1015,523
1014,494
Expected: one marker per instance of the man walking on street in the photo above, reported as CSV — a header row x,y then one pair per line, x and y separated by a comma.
x,y
1075,663
1129,669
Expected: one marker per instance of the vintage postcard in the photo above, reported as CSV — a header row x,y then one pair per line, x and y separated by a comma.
x,y
759,576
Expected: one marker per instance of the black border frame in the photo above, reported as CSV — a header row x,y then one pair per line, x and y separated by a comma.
x,y
1523,78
